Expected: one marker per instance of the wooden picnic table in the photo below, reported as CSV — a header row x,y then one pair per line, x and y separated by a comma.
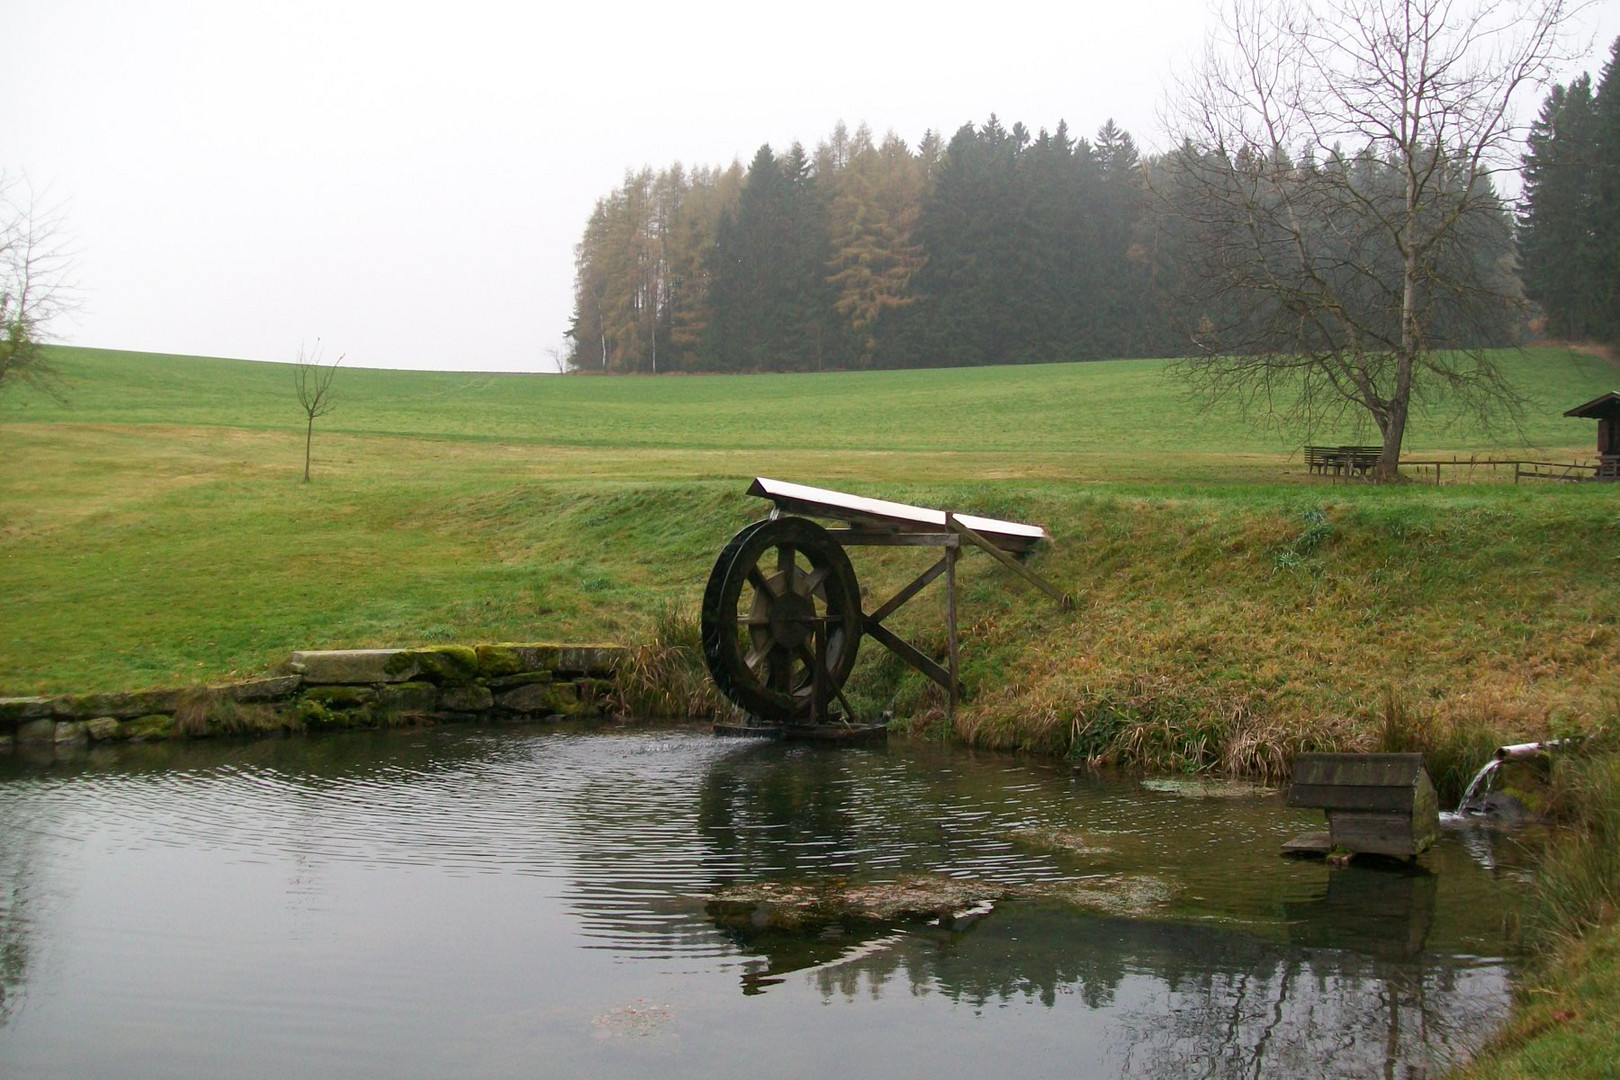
x,y
1343,460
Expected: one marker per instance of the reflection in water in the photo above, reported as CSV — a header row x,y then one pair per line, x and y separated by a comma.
x,y
396,897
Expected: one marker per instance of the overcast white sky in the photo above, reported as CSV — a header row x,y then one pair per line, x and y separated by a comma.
x,y
408,182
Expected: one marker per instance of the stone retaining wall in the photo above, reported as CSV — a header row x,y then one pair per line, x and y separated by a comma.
x,y
337,689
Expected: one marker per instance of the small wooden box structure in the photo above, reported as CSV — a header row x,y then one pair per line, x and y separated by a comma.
x,y
1606,411
1377,804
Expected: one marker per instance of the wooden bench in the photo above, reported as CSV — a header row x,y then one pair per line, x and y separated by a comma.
x,y
1343,460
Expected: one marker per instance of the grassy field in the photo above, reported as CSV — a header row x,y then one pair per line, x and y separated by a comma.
x,y
1234,610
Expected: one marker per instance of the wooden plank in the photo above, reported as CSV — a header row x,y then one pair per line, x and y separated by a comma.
x,y
957,525
950,623
909,653
860,510
886,538
1373,834
1350,797
1311,843
1359,770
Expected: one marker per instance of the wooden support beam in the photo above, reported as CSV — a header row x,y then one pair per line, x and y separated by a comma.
x,y
882,538
950,623
1064,599
917,585
909,653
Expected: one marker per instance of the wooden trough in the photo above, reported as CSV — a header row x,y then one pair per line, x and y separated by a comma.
x,y
1377,804
782,614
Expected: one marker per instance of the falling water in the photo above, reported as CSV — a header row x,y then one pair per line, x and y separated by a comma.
x,y
1480,782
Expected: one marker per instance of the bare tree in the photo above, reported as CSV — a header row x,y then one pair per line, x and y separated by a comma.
x,y
34,267
1321,282
313,382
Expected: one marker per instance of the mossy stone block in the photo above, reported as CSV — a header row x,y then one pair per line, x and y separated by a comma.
x,y
340,697
36,731
539,698
466,699
102,728
596,660
155,726
420,697
277,688
119,706
525,678
447,664
14,710
70,731
315,714
353,666
495,661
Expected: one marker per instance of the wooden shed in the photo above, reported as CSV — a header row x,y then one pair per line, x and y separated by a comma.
x,y
1377,804
1606,411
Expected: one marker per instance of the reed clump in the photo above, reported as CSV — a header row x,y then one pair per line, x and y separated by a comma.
x,y
665,675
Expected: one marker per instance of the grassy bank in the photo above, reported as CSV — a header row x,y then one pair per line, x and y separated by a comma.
x,y
1233,610
1564,1023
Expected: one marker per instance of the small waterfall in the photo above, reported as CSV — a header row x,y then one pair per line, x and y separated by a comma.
x,y
1481,781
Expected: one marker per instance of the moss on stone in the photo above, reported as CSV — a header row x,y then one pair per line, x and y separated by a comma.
x,y
102,728
447,664
495,661
409,697
154,726
340,697
526,678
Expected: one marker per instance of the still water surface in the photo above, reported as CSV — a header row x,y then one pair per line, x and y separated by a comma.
x,y
486,903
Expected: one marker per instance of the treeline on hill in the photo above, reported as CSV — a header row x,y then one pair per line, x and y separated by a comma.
x,y
1569,222
1000,246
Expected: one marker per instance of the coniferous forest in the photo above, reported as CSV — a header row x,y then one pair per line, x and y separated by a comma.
x,y
1006,246
1569,222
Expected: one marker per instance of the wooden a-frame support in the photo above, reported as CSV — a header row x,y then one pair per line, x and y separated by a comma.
x,y
951,541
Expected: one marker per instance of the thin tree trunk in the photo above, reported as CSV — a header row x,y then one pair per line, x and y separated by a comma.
x,y
309,437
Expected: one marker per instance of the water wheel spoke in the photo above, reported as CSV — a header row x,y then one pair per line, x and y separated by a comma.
x,y
787,566
816,584
808,657
781,662
757,579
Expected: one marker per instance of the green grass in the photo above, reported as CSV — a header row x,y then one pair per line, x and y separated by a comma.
x,y
1118,408
1233,611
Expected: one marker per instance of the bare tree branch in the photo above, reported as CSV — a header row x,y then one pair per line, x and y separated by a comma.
x,y
1355,283
313,382
35,266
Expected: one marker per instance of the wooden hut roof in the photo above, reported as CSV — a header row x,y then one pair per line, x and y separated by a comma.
x,y
1606,407
1356,781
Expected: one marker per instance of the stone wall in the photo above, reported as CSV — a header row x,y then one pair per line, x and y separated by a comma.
x,y
338,689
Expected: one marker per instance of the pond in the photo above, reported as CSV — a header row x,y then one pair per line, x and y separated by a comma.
x,y
503,902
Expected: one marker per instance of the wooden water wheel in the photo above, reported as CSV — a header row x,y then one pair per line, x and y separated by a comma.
x,y
782,606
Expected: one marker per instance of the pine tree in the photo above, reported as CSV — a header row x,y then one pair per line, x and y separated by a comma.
x,y
1557,239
